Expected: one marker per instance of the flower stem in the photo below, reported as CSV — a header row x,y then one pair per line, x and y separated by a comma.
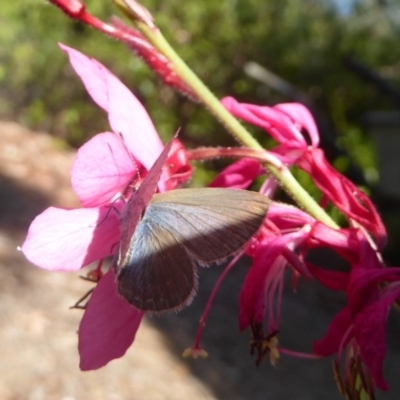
x,y
155,37
234,127
271,162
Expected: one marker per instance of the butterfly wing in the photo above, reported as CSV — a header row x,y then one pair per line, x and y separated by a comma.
x,y
158,274
212,223
205,225
137,204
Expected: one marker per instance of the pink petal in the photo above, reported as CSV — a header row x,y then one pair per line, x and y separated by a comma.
x,y
67,240
302,116
269,187
343,241
238,175
331,343
102,168
286,217
277,123
108,327
364,285
177,169
126,114
343,193
370,332
252,296
334,280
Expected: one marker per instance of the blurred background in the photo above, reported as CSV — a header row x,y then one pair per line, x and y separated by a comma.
x,y
341,58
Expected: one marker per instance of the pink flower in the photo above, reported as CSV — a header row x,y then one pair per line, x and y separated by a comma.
x,y
262,290
287,235
285,123
103,170
273,250
361,326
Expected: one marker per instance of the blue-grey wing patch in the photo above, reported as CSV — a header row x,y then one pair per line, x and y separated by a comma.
x,y
158,273
212,224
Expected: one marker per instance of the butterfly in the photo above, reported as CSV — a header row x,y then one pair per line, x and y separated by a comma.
x,y
164,236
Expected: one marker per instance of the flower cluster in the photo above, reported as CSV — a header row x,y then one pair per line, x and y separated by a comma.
x,y
112,162
68,240
358,331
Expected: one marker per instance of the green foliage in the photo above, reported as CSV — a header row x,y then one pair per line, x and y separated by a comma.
x,y
301,41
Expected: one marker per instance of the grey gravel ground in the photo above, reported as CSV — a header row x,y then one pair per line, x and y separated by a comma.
x,y
38,333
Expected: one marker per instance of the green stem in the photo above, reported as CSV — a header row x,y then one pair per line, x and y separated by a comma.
x,y
272,163
287,181
204,94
